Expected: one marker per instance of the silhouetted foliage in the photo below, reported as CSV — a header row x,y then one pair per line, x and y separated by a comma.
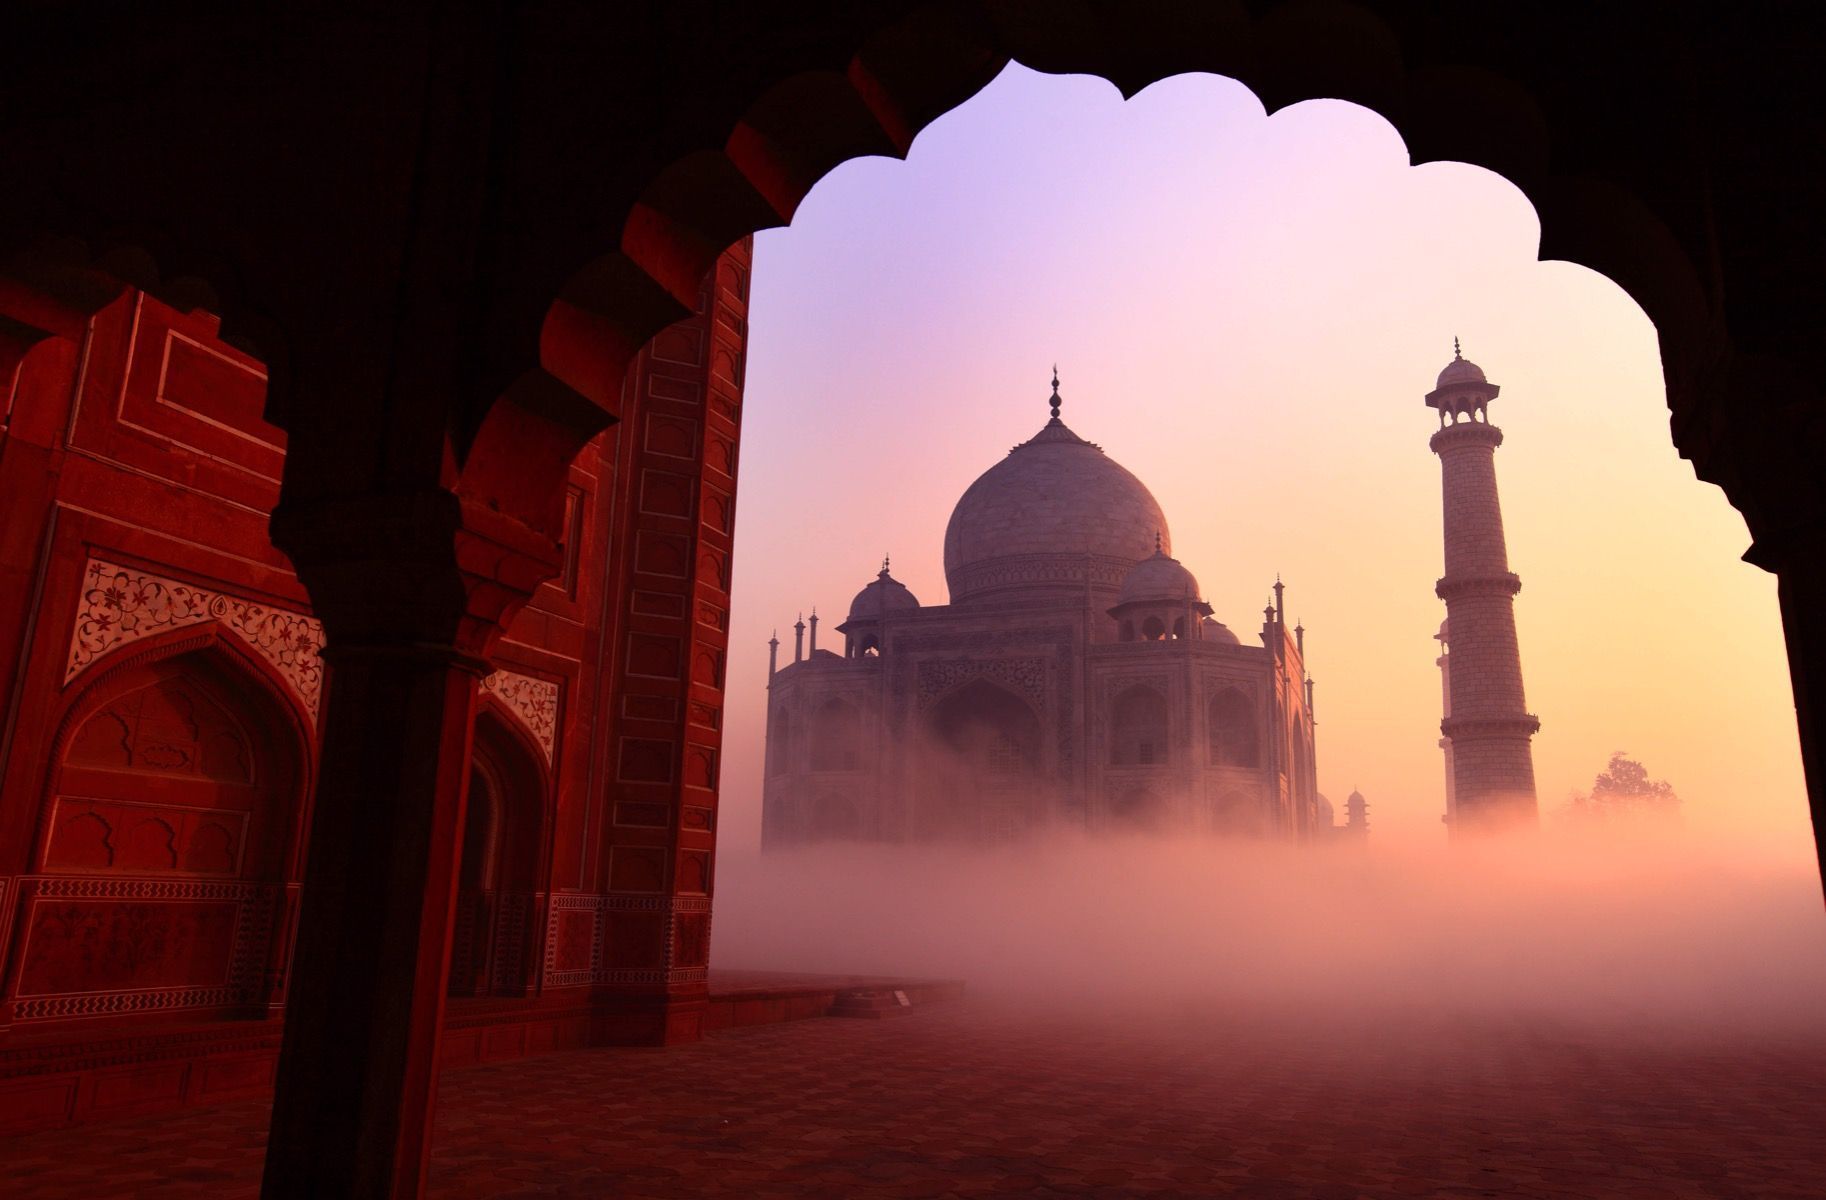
x,y
1623,791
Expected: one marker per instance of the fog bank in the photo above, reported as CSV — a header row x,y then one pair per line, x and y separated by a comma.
x,y
1657,935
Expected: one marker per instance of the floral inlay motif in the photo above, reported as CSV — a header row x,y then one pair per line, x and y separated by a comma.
x,y
1025,675
533,701
121,605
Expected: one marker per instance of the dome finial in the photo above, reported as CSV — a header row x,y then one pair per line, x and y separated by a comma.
x,y
1456,353
1157,541
1055,391
884,564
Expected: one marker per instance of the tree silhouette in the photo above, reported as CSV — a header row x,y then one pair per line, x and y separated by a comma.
x,y
1624,791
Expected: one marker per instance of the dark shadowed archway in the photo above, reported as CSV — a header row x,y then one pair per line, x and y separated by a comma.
x,y
498,873
981,776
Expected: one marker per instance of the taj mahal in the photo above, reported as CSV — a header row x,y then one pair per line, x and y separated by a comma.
x,y
1076,679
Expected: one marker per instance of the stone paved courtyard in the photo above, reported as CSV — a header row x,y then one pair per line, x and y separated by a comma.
x,y
971,1099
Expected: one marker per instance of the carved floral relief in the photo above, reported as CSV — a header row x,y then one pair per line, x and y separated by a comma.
x,y
121,605
533,701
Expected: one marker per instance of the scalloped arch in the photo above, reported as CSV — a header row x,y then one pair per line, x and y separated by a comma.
x,y
799,128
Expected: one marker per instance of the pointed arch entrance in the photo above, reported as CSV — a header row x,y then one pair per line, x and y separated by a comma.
x,y
983,778
498,877
169,828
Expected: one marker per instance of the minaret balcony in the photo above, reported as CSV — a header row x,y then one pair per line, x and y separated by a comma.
x,y
1453,586
1464,434
1523,725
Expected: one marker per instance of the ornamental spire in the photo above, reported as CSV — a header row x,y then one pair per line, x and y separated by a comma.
x,y
1055,391
1456,354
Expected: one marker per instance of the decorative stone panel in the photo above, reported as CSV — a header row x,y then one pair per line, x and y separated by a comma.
x,y
1026,676
685,923
532,701
121,934
121,605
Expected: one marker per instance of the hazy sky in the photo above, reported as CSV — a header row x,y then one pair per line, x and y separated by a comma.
x,y
1246,312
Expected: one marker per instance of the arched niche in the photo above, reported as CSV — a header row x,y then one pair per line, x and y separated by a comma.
x,y
1138,728
979,773
499,872
836,736
171,818
1239,813
1138,808
779,741
1230,730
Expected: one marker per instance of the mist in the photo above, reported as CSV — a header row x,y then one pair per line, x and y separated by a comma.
x,y
1657,932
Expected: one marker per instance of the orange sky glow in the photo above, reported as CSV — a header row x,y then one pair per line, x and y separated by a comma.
x,y
1246,312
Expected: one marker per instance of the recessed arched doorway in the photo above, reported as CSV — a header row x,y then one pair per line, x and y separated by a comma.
x,y
982,778
169,825
497,881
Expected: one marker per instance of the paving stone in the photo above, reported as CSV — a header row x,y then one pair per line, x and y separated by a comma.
x,y
965,1099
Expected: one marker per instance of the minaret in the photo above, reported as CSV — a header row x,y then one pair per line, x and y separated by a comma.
x,y
814,629
1356,816
773,654
799,640
1490,727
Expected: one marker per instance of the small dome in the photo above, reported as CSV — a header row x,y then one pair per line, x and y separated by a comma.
x,y
1216,631
1327,814
1461,371
885,595
1158,578
1445,632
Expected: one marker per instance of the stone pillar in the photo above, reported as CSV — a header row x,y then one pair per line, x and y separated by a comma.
x,y
1490,727
412,589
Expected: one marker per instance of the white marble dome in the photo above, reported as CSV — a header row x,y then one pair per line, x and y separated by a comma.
x,y
885,594
1158,578
1215,630
1053,514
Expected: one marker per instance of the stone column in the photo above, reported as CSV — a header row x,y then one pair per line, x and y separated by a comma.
x,y
1490,727
412,589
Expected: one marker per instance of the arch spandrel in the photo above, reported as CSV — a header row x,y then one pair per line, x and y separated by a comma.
x,y
120,606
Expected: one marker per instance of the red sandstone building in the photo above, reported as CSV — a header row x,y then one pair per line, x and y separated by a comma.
x,y
161,696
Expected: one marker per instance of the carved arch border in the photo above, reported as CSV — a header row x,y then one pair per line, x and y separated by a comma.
x,y
1262,716
525,741
530,923
1008,672
84,692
